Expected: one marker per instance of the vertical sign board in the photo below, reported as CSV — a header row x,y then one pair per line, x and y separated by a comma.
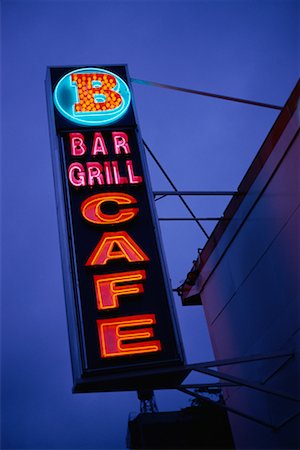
x,y
122,326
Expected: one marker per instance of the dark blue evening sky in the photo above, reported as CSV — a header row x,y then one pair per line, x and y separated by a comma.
x,y
247,49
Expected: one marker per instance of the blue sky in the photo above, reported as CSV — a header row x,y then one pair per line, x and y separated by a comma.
x,y
247,49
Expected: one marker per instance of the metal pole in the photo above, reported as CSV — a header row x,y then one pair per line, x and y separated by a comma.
x,y
239,360
174,187
227,408
206,94
191,218
249,384
200,193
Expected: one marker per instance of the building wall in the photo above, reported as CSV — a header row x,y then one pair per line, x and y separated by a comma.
x,y
250,294
189,428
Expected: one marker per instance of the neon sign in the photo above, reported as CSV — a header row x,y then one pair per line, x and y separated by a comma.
x,y
91,208
108,291
118,299
113,335
91,96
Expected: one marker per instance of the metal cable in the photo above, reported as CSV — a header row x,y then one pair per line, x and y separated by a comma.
x,y
206,94
174,187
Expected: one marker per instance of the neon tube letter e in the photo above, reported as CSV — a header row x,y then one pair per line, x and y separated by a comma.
x,y
112,336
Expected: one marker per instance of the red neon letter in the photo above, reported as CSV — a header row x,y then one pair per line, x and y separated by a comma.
x,y
90,85
94,171
117,176
120,142
107,291
77,174
99,145
91,208
108,174
104,250
78,147
133,179
112,336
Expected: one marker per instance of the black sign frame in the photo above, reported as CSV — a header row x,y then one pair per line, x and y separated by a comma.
x,y
163,369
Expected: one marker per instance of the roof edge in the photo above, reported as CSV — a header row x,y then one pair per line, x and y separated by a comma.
x,y
187,290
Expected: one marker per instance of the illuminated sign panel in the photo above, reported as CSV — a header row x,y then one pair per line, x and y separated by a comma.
x,y
122,326
91,96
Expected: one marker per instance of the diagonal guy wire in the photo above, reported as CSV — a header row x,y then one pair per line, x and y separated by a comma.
x,y
206,94
174,187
